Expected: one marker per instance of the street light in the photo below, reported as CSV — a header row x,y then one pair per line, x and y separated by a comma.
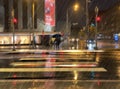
x,y
75,8
87,20
96,16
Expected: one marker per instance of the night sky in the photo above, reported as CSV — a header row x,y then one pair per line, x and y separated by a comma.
x,y
103,4
79,17
62,5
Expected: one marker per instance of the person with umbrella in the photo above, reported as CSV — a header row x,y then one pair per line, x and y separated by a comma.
x,y
57,42
51,42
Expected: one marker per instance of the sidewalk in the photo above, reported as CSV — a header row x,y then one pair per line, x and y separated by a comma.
x,y
29,48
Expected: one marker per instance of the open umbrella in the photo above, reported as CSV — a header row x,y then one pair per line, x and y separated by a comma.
x,y
56,35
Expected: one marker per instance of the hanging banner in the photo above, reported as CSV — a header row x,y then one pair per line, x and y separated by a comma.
x,y
50,12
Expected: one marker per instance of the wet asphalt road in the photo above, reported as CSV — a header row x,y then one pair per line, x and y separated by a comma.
x,y
60,69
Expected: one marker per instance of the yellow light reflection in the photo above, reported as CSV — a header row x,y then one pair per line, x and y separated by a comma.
x,y
75,75
119,7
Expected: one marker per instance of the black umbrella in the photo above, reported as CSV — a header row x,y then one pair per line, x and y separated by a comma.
x,y
56,35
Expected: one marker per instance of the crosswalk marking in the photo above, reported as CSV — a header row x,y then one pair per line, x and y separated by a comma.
x,y
62,64
53,51
55,58
44,80
52,69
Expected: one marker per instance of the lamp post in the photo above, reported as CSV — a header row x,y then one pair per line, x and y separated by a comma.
x,y
75,8
87,21
96,15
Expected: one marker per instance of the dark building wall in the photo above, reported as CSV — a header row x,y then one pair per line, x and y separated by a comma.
x,y
35,16
6,17
110,21
109,13
24,12
9,4
40,10
1,14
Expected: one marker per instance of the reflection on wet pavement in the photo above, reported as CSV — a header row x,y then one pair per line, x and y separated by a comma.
x,y
59,70
54,84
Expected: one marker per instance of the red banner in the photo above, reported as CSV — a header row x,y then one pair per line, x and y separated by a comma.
x,y
50,12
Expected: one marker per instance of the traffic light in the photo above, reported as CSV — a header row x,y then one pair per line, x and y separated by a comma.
x,y
14,20
98,18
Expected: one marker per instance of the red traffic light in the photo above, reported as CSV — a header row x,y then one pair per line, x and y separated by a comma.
x,y
14,20
98,19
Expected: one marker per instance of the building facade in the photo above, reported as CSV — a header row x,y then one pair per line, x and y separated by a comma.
x,y
110,22
28,13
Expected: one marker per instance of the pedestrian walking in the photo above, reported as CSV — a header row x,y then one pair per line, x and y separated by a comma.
x,y
57,42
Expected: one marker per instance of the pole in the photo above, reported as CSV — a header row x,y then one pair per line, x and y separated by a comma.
x,y
33,14
87,22
13,29
96,12
67,21
76,6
